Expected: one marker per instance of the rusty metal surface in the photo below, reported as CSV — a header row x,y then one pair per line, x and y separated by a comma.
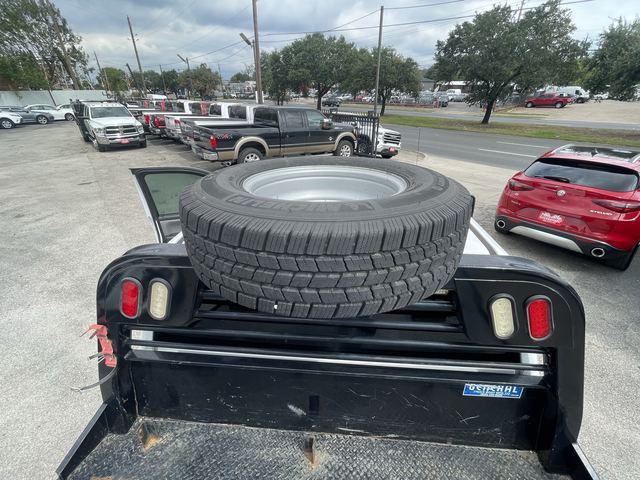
x,y
162,449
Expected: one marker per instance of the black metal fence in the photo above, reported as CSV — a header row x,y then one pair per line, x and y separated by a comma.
x,y
366,125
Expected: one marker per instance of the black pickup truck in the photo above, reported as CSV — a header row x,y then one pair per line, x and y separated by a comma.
x,y
275,132
481,378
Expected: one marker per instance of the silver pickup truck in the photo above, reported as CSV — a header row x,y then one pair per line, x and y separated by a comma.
x,y
108,124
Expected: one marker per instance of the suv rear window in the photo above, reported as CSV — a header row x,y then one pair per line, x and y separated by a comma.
x,y
603,177
215,109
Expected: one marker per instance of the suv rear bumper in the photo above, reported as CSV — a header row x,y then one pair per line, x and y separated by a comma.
x,y
576,243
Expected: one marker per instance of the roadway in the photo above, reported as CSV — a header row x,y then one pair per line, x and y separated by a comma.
x,y
469,115
503,151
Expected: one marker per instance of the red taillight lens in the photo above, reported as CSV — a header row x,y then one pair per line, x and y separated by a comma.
x,y
177,121
539,318
519,186
130,294
213,141
146,119
619,206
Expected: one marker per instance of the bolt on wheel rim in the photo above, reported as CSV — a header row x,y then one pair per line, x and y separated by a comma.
x,y
252,157
324,183
345,151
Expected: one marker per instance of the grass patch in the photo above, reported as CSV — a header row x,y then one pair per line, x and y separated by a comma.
x,y
626,138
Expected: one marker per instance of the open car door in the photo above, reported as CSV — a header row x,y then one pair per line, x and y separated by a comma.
x,y
159,189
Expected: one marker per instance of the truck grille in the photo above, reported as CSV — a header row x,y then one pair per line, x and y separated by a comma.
x,y
121,131
393,138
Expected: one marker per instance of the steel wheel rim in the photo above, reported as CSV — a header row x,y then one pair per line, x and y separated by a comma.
x,y
345,151
6,124
324,183
251,157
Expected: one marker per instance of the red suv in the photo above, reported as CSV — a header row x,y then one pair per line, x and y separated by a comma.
x,y
548,100
585,199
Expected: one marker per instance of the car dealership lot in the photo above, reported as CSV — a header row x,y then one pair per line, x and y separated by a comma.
x,y
67,211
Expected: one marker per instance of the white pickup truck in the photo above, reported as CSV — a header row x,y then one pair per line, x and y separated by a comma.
x,y
108,124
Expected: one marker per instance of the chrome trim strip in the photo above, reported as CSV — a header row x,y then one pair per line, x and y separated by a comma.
x,y
545,237
336,361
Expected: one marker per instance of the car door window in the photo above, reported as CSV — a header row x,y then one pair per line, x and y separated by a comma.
x,y
314,119
160,189
293,119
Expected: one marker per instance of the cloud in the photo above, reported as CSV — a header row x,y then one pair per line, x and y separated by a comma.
x,y
194,28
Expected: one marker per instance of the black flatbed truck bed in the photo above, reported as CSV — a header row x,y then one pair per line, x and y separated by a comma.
x,y
218,391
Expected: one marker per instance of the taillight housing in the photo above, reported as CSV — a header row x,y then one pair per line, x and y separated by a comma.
x,y
619,206
213,141
146,119
517,186
539,318
159,299
501,308
130,297
177,121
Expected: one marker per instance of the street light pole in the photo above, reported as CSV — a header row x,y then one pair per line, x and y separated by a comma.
x,y
186,60
256,52
375,98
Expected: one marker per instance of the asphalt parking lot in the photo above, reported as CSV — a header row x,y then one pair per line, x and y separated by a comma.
x,y
68,210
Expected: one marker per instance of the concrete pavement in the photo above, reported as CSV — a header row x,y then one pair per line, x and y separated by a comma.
x,y
68,210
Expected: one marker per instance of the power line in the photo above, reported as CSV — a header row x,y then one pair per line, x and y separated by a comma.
x,y
223,22
424,5
356,19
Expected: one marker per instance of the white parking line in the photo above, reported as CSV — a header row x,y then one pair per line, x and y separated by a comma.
x,y
524,145
507,153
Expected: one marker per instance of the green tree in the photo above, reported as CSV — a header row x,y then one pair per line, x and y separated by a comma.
x,y
275,77
496,50
397,73
116,79
36,27
245,76
22,71
319,61
615,65
360,78
172,80
202,79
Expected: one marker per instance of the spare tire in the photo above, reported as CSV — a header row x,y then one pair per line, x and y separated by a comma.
x,y
325,237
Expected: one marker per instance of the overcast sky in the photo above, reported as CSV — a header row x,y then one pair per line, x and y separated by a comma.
x,y
206,30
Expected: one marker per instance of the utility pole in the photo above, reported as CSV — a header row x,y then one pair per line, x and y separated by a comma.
x,y
221,82
375,97
105,80
164,85
134,79
135,49
186,60
63,51
256,51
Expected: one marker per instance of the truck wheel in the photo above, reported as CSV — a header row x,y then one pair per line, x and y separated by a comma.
x,y
250,155
143,144
69,117
363,240
42,120
364,146
6,123
559,105
100,148
529,104
344,149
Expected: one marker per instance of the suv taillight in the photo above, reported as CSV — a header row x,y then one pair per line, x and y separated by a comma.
x,y
619,206
519,186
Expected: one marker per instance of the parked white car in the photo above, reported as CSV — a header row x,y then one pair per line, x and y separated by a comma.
x,y
9,119
62,112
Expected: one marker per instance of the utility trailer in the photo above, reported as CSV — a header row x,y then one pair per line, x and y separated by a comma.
x,y
481,380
